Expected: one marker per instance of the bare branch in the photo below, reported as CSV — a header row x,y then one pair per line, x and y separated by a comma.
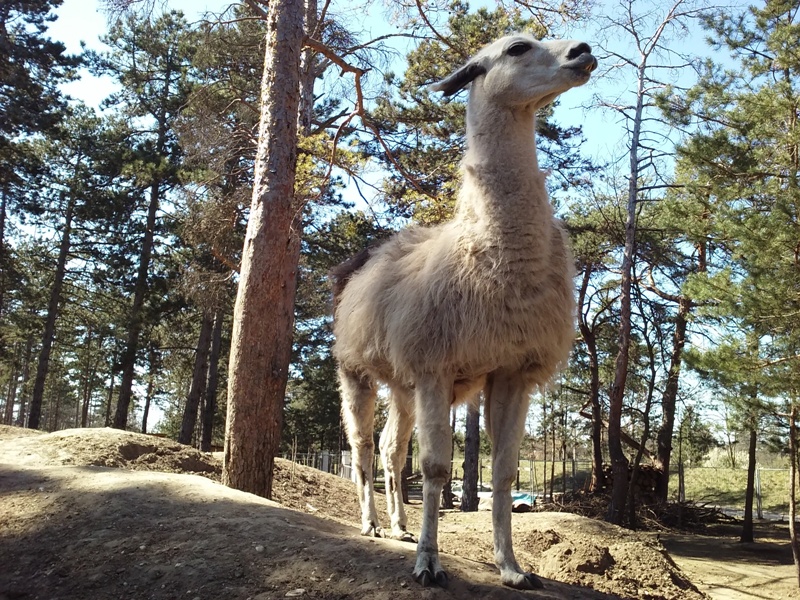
x,y
430,25
257,8
359,110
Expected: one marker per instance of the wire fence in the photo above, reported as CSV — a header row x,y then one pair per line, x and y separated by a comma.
x,y
721,487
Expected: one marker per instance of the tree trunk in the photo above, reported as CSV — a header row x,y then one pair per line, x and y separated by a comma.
x,y
263,318
619,462
406,472
447,490
11,393
3,256
747,527
668,402
472,446
563,450
50,321
553,448
152,359
544,447
110,397
26,377
89,371
199,379
210,408
128,360
793,457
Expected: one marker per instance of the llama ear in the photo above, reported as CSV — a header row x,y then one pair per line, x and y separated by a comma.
x,y
459,80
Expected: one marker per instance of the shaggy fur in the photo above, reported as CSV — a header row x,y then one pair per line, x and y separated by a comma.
x,y
484,301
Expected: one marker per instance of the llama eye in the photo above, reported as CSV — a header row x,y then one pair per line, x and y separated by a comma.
x,y
518,48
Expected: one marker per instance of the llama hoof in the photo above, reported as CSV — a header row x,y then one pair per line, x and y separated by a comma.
x,y
372,530
405,536
523,581
428,571
428,579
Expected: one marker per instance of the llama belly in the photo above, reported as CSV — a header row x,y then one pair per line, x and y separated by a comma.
x,y
470,338
430,309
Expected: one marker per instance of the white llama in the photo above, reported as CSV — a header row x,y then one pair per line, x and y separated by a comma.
x,y
484,301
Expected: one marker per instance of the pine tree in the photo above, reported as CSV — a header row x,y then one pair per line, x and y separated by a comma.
x,y
746,155
263,314
152,62
31,69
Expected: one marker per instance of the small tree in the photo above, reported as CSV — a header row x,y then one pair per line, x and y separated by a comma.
x,y
648,29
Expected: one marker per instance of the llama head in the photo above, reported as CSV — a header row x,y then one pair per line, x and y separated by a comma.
x,y
520,71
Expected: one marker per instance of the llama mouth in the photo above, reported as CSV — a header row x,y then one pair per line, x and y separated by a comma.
x,y
585,64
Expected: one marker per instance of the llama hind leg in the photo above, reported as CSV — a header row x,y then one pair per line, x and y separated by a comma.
x,y
507,400
432,403
358,411
394,445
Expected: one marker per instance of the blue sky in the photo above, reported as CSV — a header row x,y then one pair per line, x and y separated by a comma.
x,y
84,21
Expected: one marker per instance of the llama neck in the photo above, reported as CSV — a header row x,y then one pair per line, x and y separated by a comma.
x,y
503,191
501,138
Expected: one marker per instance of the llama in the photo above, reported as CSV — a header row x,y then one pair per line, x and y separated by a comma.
x,y
482,302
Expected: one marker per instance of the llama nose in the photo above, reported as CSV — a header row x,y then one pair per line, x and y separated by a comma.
x,y
576,51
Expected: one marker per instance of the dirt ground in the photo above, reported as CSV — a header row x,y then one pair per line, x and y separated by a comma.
x,y
100,513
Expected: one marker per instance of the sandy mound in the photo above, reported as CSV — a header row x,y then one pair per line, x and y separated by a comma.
x,y
70,527
104,448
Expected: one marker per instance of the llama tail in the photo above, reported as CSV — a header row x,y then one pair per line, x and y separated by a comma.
x,y
341,274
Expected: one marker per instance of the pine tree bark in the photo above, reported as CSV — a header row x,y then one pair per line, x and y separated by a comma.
x,y
48,335
747,526
472,446
111,382
263,320
669,401
199,380
3,255
619,462
210,408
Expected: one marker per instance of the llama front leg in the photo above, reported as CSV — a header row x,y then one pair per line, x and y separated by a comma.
x,y
358,411
432,403
507,400
394,446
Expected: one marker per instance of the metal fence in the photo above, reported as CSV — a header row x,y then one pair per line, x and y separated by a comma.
x,y
536,476
724,488
721,487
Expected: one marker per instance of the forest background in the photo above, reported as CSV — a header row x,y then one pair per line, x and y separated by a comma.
x,y
121,225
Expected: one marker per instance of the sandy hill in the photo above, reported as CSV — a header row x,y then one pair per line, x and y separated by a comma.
x,y
101,513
